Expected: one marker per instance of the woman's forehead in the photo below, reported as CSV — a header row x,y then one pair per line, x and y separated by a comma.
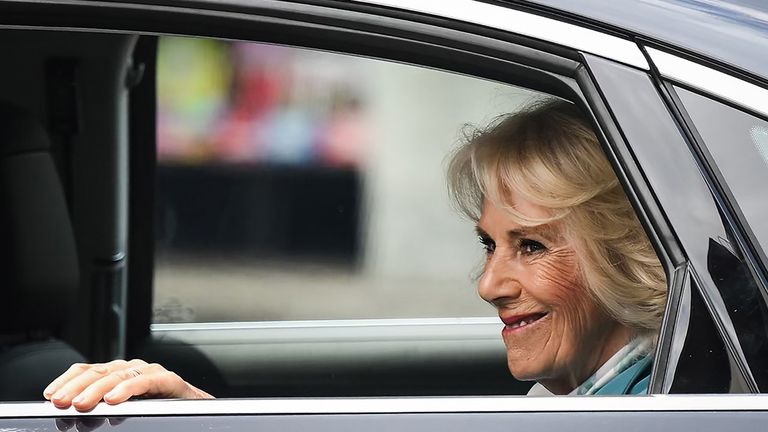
x,y
495,220
522,206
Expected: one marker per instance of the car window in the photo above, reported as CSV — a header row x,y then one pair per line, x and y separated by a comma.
x,y
303,185
700,351
738,145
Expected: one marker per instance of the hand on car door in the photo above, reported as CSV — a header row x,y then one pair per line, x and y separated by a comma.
x,y
85,385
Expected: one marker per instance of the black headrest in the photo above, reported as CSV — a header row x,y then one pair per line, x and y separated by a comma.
x,y
38,258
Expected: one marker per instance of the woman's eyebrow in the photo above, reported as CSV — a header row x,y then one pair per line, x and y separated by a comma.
x,y
481,232
511,234
546,231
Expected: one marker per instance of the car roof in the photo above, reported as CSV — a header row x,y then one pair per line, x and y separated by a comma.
x,y
733,32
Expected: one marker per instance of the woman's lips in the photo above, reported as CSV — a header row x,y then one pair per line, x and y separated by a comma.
x,y
518,323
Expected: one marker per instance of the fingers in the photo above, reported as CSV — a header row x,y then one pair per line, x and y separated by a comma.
x,y
94,393
73,371
84,386
72,382
159,383
127,389
77,378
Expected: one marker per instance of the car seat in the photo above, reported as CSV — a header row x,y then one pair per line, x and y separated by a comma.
x,y
39,273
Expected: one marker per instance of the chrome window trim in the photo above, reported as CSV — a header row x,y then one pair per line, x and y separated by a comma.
x,y
727,87
673,330
679,330
393,322
498,404
527,24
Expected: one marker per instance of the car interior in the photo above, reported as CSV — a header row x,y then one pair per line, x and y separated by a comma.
x,y
36,225
51,249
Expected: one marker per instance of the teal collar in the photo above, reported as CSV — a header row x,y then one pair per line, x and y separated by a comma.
x,y
634,380
624,360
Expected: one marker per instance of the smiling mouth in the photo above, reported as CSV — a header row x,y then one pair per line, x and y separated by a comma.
x,y
520,321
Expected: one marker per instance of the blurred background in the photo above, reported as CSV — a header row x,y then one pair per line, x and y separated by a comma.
x,y
305,185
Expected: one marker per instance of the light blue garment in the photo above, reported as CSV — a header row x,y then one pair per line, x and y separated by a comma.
x,y
628,371
628,357
634,380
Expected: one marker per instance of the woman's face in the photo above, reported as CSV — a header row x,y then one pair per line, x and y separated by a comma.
x,y
554,332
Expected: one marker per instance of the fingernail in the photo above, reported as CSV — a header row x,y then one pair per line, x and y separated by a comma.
x,y
109,395
78,399
59,396
48,391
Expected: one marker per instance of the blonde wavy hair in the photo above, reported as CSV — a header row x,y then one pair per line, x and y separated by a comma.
x,y
549,154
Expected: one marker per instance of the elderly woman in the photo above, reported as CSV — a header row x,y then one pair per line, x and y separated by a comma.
x,y
568,267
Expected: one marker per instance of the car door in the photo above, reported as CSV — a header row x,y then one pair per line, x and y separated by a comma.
x,y
593,69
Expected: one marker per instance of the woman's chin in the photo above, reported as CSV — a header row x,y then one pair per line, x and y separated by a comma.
x,y
523,371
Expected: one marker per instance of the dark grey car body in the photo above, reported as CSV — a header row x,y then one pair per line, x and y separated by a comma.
x,y
730,33
628,64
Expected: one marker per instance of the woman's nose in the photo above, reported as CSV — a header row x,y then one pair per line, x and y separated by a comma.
x,y
500,279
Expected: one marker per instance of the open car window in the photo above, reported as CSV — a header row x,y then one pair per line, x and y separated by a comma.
x,y
295,184
305,192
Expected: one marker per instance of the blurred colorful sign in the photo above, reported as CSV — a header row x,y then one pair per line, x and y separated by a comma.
x,y
250,103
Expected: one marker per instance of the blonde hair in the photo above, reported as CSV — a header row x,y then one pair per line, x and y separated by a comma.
x,y
549,154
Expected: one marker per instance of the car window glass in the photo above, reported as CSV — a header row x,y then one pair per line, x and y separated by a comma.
x,y
303,185
738,144
702,352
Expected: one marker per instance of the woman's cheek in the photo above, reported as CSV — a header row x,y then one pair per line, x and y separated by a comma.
x,y
560,288
557,275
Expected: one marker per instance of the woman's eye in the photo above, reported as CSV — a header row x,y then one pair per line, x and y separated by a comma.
x,y
531,247
488,244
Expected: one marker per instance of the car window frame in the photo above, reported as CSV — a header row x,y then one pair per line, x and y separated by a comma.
x,y
488,43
